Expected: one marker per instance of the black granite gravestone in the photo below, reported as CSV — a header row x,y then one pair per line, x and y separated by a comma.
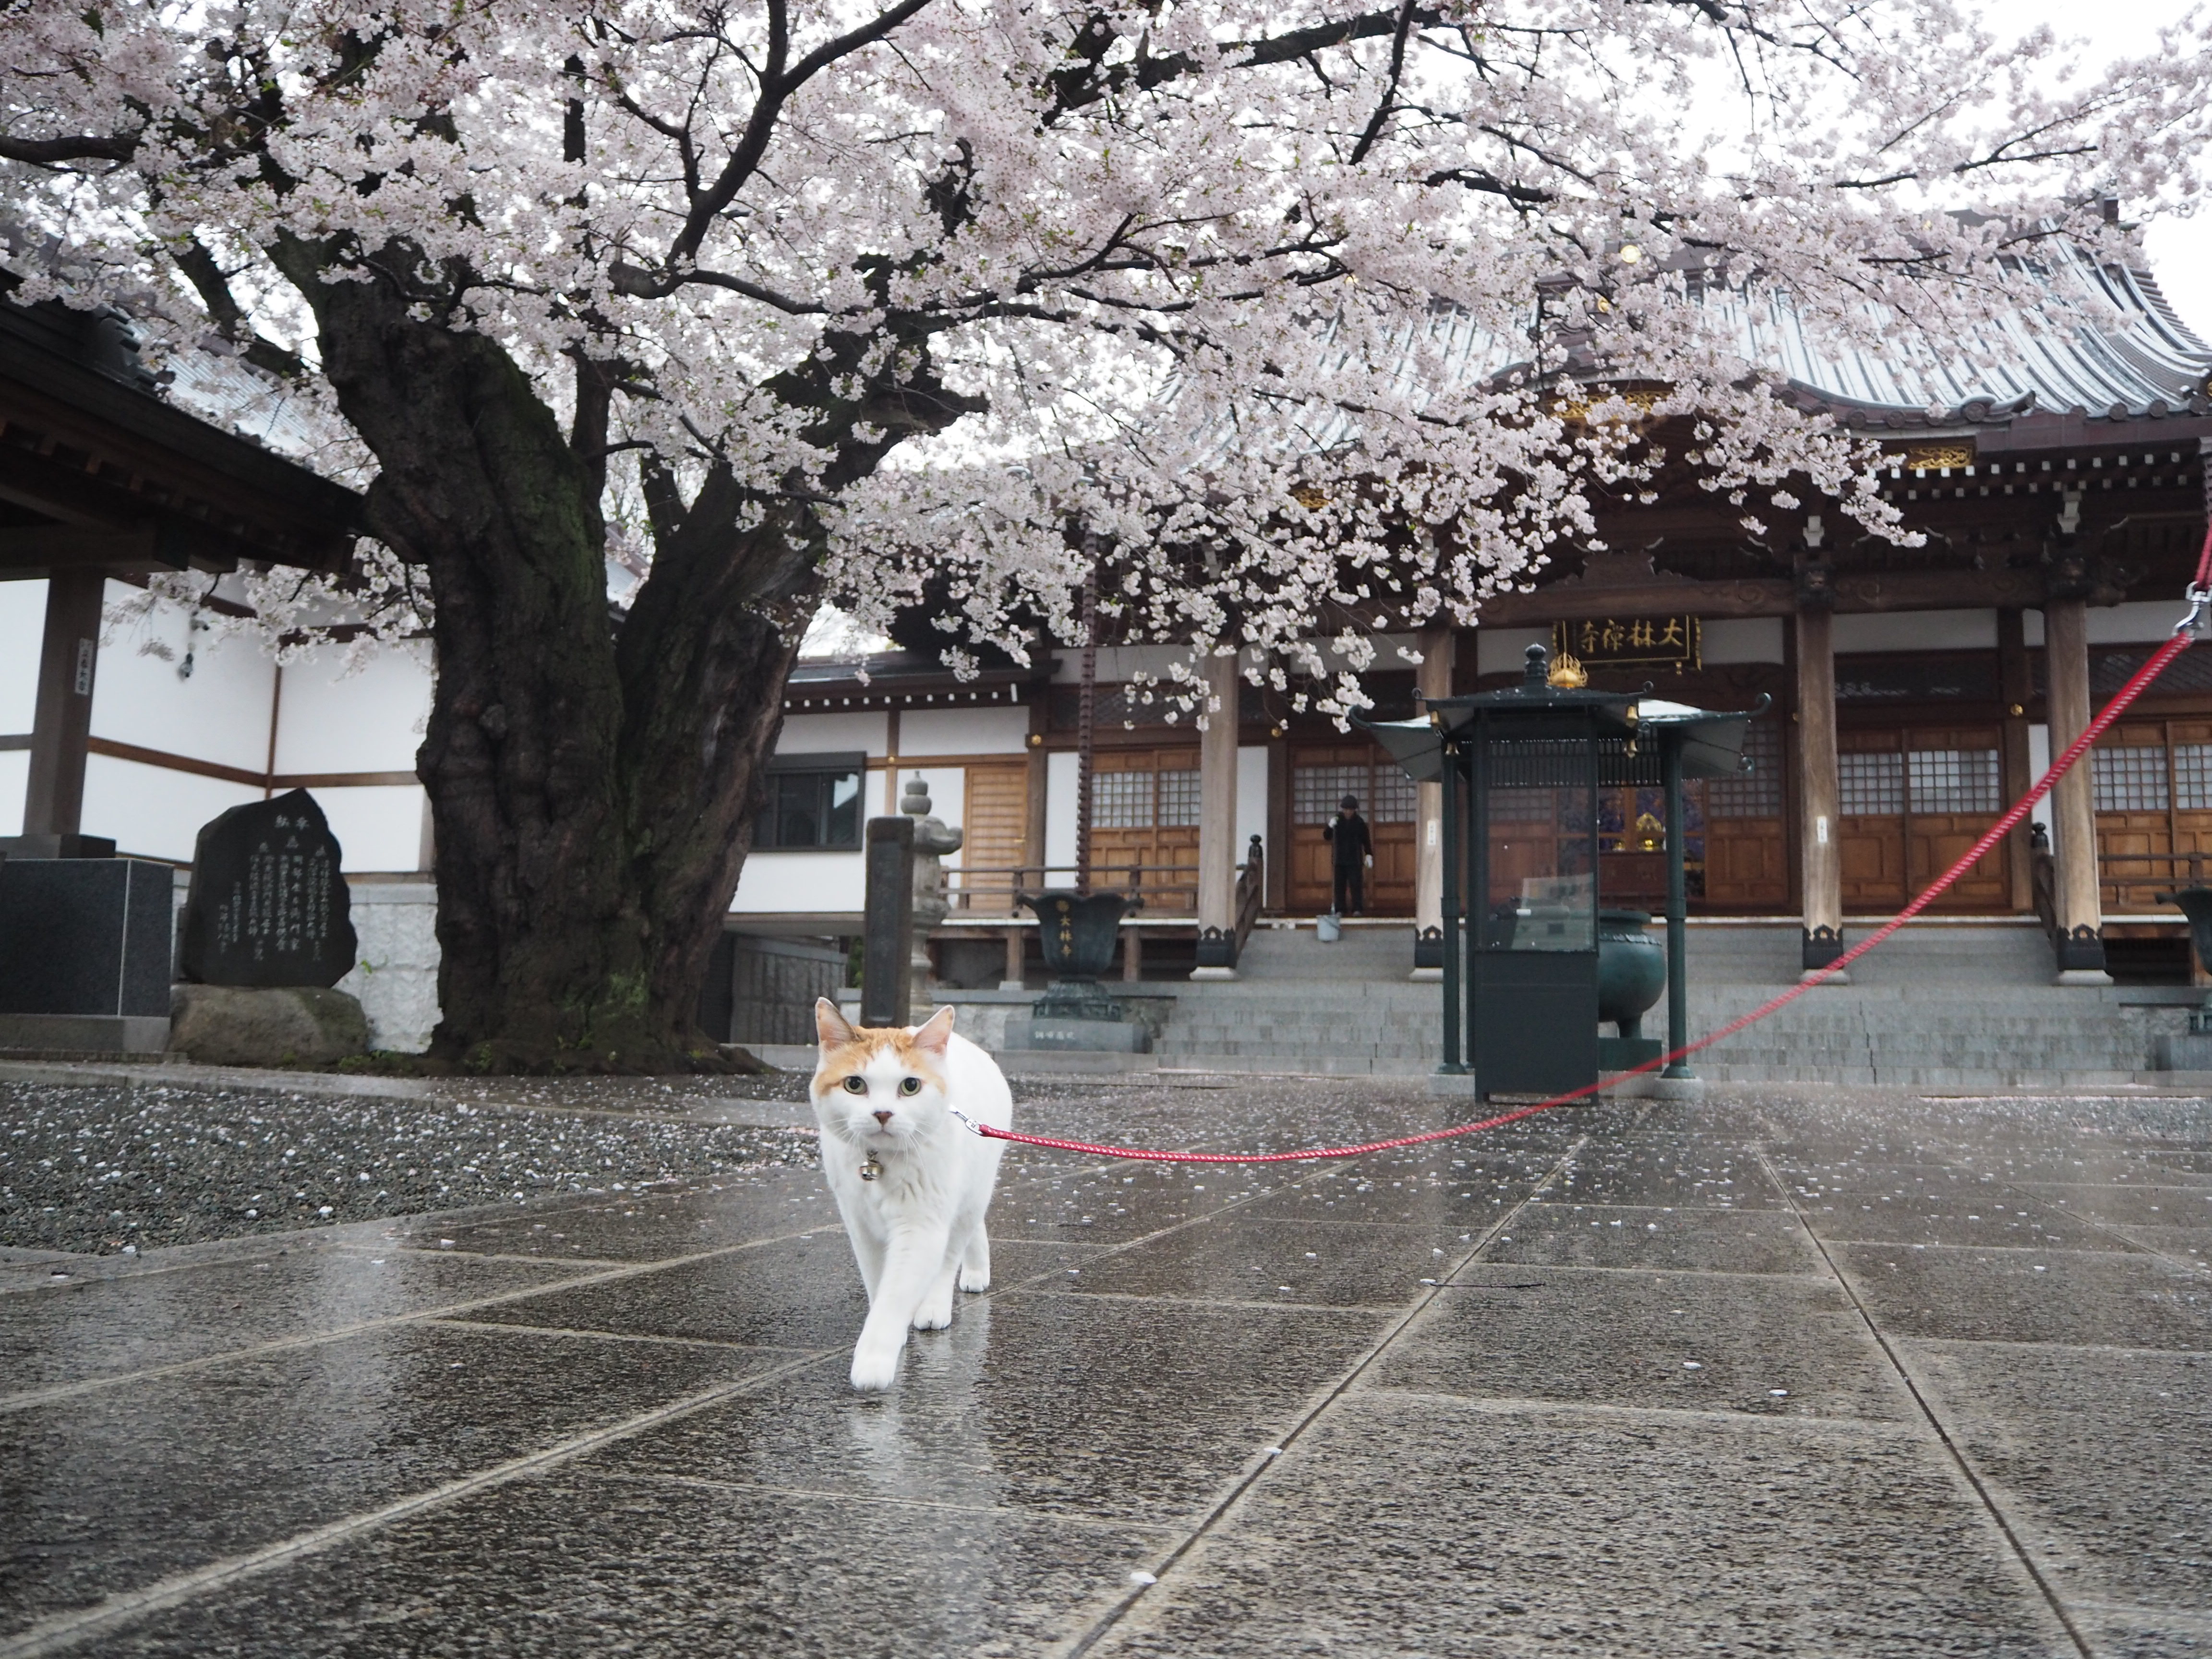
x,y
85,937
267,904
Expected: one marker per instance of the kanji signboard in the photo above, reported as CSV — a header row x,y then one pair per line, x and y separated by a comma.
x,y
1630,642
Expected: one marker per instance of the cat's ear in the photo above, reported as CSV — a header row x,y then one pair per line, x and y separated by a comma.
x,y
832,1027
935,1033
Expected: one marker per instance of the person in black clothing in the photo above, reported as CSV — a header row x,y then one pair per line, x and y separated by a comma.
x,y
1350,844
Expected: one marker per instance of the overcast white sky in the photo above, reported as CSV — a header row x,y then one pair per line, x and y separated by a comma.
x,y
2180,250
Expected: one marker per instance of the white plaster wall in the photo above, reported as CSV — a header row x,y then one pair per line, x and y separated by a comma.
x,y
2038,763
2139,622
397,975
15,778
980,731
1505,650
150,811
220,714
801,881
1252,802
22,630
1917,630
1742,639
1060,769
378,826
369,721
816,734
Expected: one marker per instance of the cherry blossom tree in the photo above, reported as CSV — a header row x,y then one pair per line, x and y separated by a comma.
x,y
1276,321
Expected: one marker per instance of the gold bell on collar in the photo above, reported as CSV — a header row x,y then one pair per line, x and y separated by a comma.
x,y
871,1170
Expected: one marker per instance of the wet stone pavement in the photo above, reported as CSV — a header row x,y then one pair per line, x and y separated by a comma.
x,y
1788,1371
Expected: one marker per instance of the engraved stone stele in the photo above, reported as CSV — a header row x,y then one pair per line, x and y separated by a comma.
x,y
267,905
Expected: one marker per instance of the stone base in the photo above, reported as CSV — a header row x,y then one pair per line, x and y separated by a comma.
x,y
1620,1053
1213,973
85,1033
1454,1086
1426,975
1679,1090
1113,1036
2192,1051
276,1025
2082,977
71,846
1812,976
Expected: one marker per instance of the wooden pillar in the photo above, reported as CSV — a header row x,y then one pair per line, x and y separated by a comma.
x,y
1433,681
2080,941
1217,845
2016,690
1279,830
1819,822
61,728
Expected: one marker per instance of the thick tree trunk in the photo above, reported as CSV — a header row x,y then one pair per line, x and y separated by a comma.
x,y
592,800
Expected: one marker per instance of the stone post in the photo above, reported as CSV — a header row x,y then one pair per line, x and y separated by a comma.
x,y
1819,825
1217,822
933,840
2080,941
887,927
1432,680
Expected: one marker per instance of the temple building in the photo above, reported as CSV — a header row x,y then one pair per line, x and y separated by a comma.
x,y
1907,694
1910,693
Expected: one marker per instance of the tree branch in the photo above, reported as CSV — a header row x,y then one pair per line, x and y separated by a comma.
x,y
776,87
1389,97
201,269
81,146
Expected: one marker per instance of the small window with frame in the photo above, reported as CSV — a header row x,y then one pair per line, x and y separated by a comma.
x,y
813,803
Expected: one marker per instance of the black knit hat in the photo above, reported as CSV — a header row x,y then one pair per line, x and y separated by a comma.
x,y
1350,803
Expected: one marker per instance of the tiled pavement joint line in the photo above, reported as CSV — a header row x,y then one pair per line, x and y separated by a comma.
x,y
65,1631
500,1328
416,1251
2131,1246
1721,1418
314,1339
358,1236
1213,1516
2194,1619
1230,1303
1937,1425
829,1495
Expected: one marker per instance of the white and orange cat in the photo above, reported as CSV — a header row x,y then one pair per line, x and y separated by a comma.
x,y
911,1181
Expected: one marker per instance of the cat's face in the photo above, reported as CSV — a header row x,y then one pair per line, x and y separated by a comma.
x,y
880,1086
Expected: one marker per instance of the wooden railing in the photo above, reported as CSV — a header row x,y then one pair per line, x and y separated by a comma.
x,y
1152,889
2134,881
1251,892
2127,882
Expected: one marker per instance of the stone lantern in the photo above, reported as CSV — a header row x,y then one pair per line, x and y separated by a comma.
x,y
933,840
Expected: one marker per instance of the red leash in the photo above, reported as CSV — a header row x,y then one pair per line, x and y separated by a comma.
x,y
2200,592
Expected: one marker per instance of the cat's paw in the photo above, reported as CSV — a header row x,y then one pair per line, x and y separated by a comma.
x,y
875,1367
934,1315
973,1282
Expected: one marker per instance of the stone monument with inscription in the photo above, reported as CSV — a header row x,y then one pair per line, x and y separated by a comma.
x,y
268,931
267,904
